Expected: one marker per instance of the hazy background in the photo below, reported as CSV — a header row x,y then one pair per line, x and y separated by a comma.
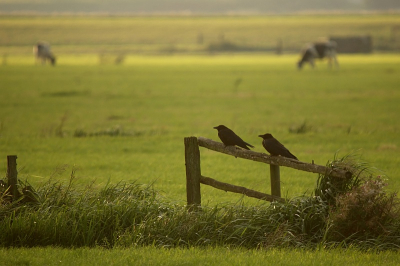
x,y
194,6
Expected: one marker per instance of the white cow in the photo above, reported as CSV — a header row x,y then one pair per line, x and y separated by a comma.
x,y
43,53
319,50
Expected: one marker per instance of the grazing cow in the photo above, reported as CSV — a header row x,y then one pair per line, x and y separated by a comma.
x,y
43,53
319,50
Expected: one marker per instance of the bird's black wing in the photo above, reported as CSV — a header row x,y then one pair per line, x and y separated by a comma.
x,y
274,147
229,138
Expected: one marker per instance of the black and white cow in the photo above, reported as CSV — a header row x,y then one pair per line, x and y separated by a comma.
x,y
319,50
43,53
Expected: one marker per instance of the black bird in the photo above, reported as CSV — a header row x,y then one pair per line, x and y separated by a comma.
x,y
229,138
274,147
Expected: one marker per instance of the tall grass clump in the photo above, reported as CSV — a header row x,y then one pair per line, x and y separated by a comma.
x,y
353,211
329,188
72,216
361,210
364,212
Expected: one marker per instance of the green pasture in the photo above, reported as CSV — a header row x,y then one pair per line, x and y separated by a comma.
x,y
181,34
121,123
208,256
114,123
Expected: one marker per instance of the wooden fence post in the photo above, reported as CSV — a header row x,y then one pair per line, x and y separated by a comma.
x,y
275,180
193,172
12,175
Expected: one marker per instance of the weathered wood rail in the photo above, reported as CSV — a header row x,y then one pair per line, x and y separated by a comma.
x,y
194,177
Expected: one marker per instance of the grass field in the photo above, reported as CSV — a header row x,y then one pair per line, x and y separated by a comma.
x,y
127,35
152,103
115,123
147,256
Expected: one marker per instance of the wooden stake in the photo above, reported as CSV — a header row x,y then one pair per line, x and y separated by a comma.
x,y
12,175
275,176
193,172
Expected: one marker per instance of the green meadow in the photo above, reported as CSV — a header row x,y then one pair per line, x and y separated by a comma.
x,y
188,34
109,123
210,256
117,123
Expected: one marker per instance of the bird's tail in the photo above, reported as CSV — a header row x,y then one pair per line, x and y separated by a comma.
x,y
293,157
249,145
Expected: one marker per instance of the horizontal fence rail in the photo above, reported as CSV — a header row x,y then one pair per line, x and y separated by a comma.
x,y
274,160
237,189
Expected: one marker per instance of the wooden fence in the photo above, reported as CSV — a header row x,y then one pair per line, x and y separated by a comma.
x,y
12,179
194,177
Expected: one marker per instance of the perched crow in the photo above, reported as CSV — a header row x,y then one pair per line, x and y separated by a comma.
x,y
229,138
274,147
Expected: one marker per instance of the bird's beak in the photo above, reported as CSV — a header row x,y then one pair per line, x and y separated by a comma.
x,y
260,136
215,127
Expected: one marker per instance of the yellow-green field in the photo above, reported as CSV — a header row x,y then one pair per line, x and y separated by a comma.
x,y
127,35
155,102
115,123
208,256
